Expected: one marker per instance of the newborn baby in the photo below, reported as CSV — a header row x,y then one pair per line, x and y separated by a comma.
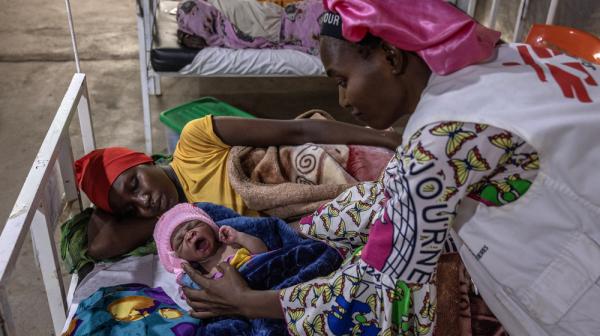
x,y
187,233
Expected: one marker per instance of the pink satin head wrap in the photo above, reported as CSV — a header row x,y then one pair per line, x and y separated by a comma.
x,y
443,36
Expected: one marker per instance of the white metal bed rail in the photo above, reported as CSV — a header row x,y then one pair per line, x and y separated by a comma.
x,y
150,80
49,183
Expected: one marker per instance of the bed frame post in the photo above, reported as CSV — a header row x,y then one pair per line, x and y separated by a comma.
x,y
149,8
155,83
493,14
87,134
47,256
142,22
471,7
65,161
85,120
551,12
518,23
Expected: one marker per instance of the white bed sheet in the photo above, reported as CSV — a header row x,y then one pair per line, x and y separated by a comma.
x,y
257,62
145,270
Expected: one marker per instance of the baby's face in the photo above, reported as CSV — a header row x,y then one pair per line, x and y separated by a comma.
x,y
194,241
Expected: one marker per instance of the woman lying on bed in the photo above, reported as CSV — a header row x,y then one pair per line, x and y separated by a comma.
x,y
130,192
249,24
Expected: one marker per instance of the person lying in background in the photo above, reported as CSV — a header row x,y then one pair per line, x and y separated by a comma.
x,y
130,192
245,24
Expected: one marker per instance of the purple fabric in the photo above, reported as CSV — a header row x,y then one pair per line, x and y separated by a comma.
x,y
299,27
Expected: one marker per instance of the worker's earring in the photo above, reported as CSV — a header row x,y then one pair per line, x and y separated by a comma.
x,y
396,58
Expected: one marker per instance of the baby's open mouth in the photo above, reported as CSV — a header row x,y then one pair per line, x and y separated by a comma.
x,y
201,245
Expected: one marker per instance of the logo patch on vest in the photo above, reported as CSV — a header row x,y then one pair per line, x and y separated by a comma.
x,y
571,77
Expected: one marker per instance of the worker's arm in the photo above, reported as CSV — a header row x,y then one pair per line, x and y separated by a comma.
x,y
267,132
109,236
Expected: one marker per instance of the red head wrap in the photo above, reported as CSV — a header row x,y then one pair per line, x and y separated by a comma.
x,y
96,171
443,36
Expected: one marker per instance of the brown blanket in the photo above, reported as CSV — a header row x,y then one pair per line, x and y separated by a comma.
x,y
293,181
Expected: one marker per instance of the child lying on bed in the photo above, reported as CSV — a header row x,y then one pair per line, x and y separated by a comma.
x,y
187,233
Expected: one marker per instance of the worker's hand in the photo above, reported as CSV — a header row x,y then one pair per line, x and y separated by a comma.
x,y
218,297
228,235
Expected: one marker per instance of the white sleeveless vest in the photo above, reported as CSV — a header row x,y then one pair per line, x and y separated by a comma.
x,y
536,261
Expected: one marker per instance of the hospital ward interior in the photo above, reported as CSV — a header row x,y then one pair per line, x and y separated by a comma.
x,y
300,167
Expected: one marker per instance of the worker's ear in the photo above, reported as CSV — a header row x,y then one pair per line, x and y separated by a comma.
x,y
397,58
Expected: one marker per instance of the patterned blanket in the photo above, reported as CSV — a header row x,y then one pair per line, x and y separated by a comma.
x,y
292,181
131,309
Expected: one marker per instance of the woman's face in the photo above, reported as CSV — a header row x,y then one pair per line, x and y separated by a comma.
x,y
142,191
369,86
194,241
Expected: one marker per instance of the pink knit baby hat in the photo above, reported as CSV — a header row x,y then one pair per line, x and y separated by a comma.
x,y
166,226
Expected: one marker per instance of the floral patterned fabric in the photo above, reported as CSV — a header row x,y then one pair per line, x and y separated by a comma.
x,y
203,25
392,231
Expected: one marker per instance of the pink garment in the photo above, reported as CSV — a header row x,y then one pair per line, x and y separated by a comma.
x,y
446,38
166,226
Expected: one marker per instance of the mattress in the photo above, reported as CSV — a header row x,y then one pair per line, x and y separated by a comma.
x,y
254,62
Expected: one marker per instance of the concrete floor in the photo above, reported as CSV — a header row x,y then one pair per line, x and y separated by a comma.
x,y
36,67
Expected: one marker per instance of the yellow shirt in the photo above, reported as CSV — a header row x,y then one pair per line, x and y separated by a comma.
x,y
240,258
200,164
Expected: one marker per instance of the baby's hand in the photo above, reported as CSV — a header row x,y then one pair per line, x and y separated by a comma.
x,y
228,235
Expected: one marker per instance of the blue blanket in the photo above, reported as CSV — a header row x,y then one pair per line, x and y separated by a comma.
x,y
138,310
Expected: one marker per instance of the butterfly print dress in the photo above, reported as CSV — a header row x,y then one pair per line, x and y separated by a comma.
x,y
392,231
